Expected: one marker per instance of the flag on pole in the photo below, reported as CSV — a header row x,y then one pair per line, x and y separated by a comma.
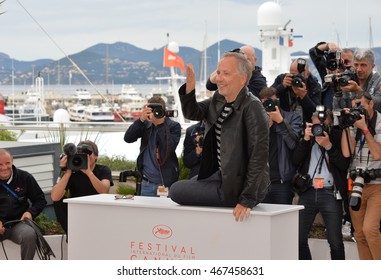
x,y
172,59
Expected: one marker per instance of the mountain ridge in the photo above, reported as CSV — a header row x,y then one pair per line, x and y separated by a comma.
x,y
127,64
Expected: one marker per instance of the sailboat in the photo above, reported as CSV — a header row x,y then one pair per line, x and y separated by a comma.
x,y
33,108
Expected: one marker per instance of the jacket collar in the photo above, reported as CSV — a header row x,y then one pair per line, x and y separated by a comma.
x,y
244,93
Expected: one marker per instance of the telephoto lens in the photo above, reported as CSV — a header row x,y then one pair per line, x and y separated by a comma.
x,y
355,199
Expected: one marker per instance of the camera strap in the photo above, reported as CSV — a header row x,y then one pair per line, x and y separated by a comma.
x,y
319,163
12,192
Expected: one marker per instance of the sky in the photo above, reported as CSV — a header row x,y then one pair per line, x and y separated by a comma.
x,y
36,29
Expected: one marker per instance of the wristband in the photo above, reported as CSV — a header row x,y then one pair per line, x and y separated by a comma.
x,y
365,131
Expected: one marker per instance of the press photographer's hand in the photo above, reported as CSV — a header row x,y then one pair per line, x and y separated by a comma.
x,y
361,123
287,80
351,87
323,141
300,91
275,116
63,161
146,113
308,132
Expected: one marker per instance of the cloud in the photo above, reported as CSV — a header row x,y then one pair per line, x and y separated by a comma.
x,y
76,25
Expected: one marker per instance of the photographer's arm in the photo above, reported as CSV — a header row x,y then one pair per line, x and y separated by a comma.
x,y
373,146
59,189
101,186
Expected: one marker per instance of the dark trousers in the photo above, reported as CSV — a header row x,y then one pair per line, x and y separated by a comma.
x,y
25,236
279,193
323,201
206,192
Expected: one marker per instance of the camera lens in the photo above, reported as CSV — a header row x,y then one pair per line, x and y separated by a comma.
x,y
77,161
317,129
158,112
269,105
344,80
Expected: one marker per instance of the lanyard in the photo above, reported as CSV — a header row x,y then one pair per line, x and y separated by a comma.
x,y
12,192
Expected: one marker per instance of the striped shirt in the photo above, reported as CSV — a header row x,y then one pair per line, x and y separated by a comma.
x,y
218,126
362,157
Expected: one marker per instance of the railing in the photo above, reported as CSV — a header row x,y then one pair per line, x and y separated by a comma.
x,y
68,126
71,126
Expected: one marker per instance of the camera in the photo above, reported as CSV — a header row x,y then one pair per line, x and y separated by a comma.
x,y
333,59
346,76
348,119
198,135
356,194
298,80
128,173
270,104
301,183
159,112
77,156
367,174
319,128
134,173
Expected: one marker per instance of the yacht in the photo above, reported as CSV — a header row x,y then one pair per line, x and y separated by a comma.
x,y
131,103
95,113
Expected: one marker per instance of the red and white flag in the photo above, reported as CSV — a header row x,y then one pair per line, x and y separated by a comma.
x,y
172,59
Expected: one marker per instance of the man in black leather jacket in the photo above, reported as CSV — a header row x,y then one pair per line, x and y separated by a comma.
x,y
234,166
257,80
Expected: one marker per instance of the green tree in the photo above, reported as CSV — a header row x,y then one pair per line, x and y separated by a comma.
x,y
6,135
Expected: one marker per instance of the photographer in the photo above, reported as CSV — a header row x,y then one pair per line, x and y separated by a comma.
x,y
157,160
93,179
285,130
298,90
369,81
321,183
362,143
329,61
193,142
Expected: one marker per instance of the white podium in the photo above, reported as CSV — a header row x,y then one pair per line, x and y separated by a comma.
x,y
154,228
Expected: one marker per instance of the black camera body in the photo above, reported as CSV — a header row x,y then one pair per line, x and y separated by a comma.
x,y
301,183
319,128
132,173
346,76
77,156
159,112
198,135
298,80
333,59
270,104
348,119
367,174
129,173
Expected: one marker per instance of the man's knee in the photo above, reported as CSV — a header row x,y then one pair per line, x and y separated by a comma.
x,y
28,235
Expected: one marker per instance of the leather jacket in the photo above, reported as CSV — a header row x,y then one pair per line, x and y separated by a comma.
x,y
244,145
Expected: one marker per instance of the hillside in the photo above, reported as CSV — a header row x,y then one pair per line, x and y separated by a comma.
x,y
127,64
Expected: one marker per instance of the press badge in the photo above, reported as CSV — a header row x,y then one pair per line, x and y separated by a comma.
x,y
318,183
